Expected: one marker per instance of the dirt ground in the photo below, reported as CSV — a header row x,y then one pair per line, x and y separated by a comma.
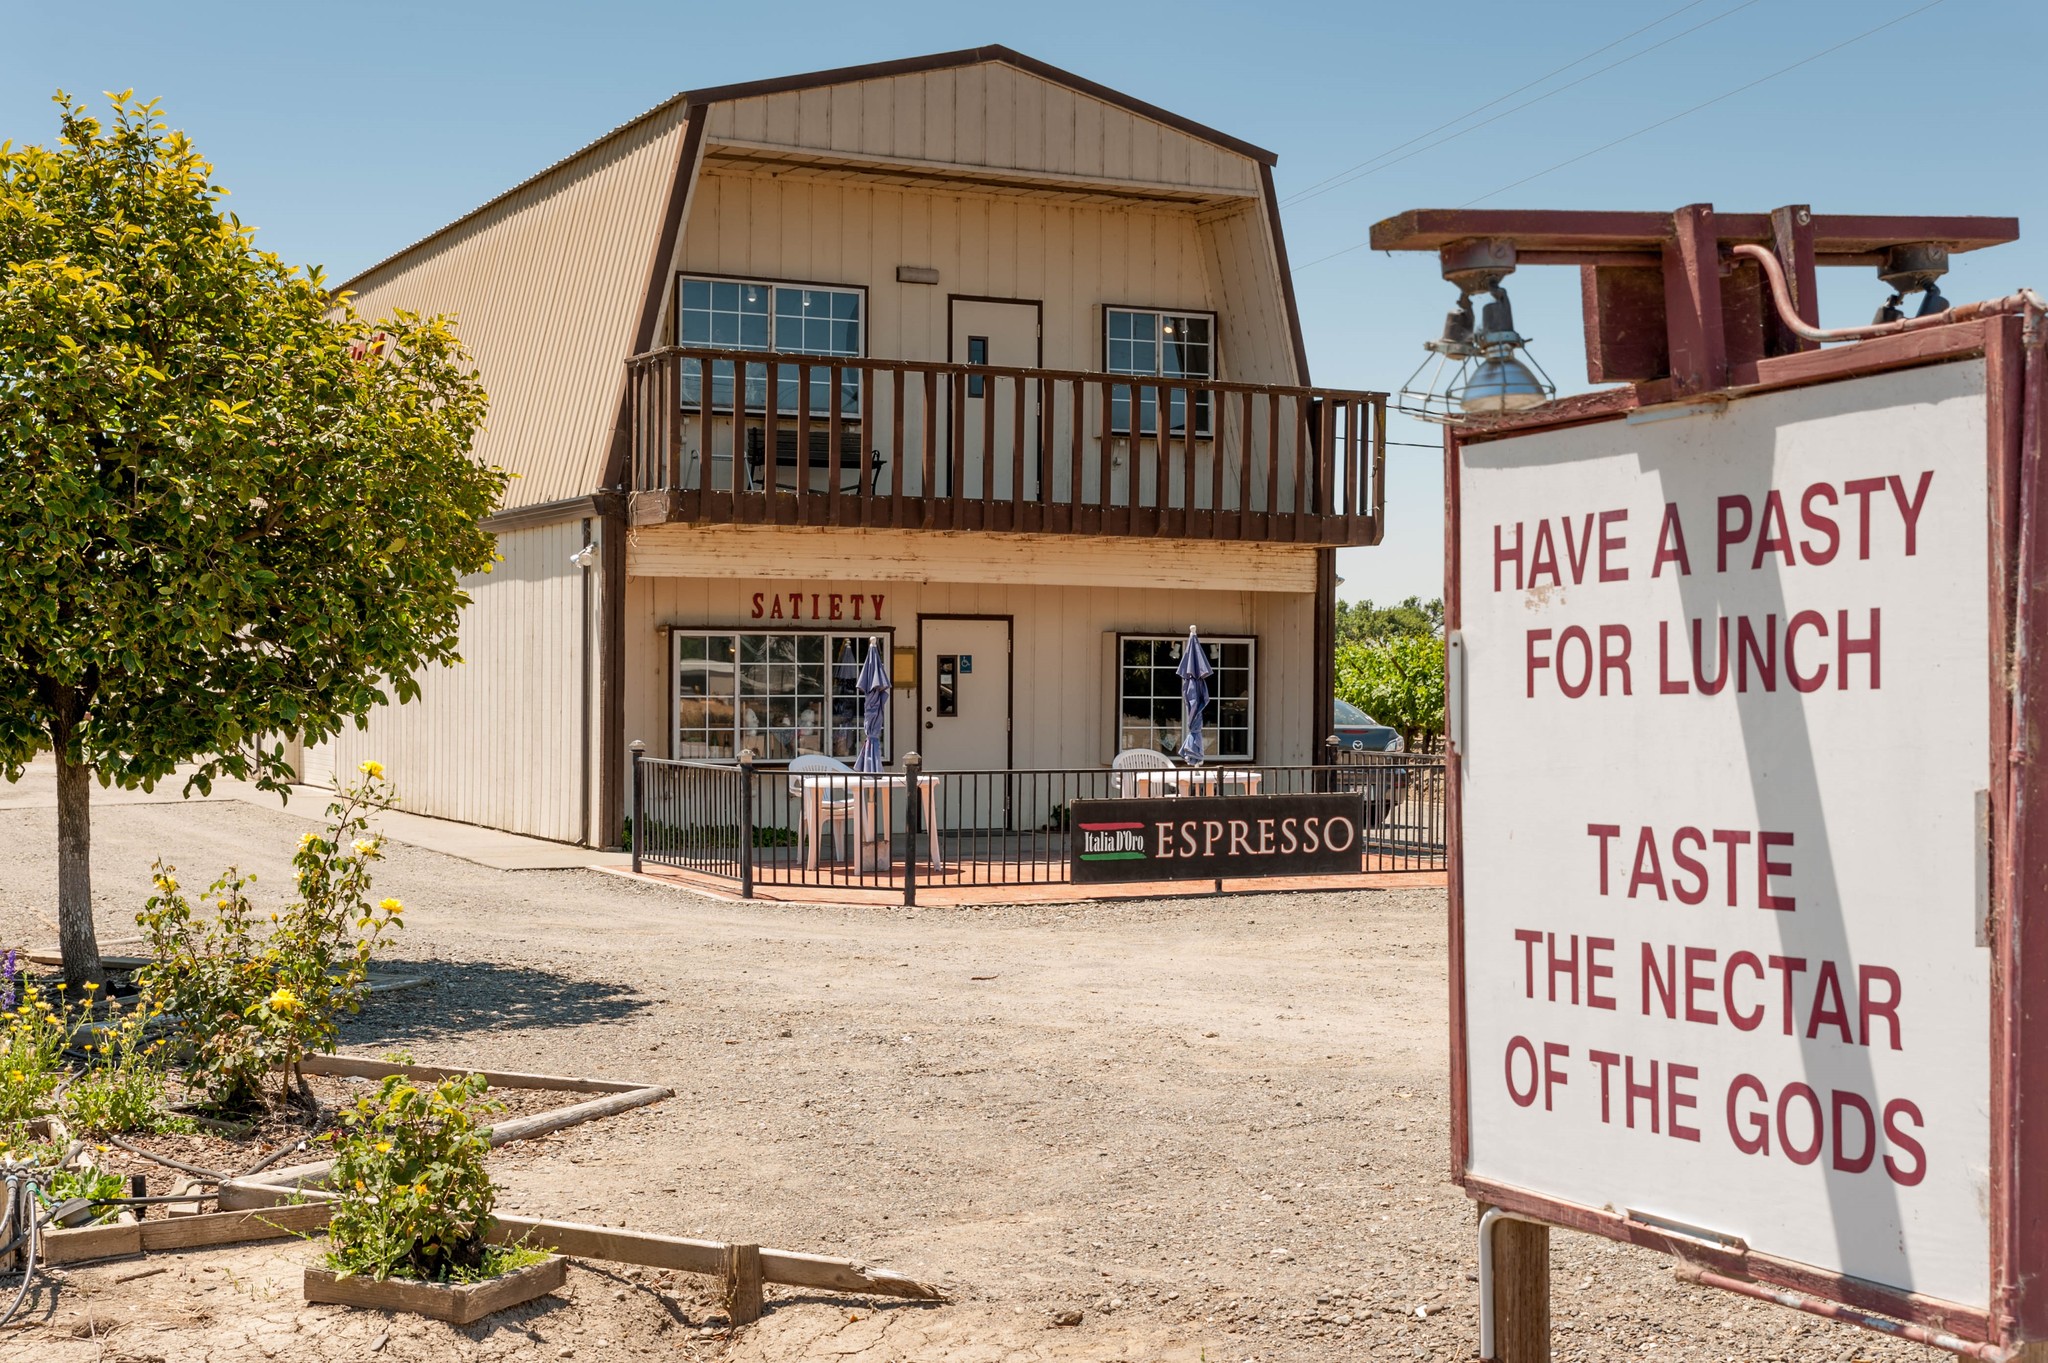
x,y
1214,1127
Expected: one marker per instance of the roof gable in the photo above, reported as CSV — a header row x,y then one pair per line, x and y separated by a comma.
x,y
993,115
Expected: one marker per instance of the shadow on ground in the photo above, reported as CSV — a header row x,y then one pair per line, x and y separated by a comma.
x,y
471,996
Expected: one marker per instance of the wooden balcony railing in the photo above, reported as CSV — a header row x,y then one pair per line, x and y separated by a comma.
x,y
780,439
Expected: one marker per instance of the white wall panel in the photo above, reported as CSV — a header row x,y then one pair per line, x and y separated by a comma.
x,y
496,739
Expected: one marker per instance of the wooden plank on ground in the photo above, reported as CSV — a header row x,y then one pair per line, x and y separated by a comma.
x,y
226,1228
615,1244
456,1303
347,1066
90,1242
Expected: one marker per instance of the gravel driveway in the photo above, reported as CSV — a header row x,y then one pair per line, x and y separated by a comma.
x,y
1215,1127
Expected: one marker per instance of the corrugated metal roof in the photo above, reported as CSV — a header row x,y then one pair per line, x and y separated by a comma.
x,y
840,76
547,284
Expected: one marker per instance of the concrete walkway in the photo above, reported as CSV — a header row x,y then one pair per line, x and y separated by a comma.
x,y
37,789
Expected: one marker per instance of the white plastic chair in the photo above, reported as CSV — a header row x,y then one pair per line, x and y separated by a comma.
x,y
1138,759
825,803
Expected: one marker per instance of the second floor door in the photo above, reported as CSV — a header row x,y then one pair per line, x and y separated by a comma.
x,y
993,411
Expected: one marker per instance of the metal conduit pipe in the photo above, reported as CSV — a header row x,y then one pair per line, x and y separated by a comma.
x,y
1919,1334
1486,1223
2026,300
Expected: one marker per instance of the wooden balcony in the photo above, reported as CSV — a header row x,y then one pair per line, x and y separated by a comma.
x,y
799,440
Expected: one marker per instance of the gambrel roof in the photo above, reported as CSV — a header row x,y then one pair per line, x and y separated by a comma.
x,y
555,282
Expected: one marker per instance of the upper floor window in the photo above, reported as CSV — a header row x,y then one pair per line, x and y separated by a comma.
x,y
1170,346
797,319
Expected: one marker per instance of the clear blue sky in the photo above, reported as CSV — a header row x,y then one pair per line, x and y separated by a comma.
x,y
348,130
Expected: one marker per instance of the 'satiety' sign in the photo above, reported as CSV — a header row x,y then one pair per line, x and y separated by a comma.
x,y
1725,751
1198,837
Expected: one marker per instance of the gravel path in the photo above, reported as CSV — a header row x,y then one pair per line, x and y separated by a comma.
x,y
1213,1127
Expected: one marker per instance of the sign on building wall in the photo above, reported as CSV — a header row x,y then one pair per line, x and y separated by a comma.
x,y
1725,740
1200,837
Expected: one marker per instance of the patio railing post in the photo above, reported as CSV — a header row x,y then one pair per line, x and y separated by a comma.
x,y
746,823
1330,747
639,803
913,821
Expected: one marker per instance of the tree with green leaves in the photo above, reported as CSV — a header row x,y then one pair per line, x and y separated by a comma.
x,y
230,508
1362,622
1399,681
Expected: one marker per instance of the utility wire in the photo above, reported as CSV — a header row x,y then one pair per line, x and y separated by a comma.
x,y
1349,177
1783,70
1662,122
1311,190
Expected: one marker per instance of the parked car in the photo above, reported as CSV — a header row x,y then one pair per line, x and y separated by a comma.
x,y
1358,731
1363,746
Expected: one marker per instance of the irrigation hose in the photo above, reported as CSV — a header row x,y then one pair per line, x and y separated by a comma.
x,y
28,1263
169,1163
273,1157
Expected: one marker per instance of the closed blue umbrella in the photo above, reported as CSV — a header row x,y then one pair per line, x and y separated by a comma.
x,y
874,690
1194,673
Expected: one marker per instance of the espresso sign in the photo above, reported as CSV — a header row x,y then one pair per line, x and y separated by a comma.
x,y
1203,837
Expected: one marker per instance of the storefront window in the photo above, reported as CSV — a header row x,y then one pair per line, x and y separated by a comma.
x,y
782,695
1148,695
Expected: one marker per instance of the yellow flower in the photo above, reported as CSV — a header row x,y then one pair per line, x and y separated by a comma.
x,y
307,840
373,770
391,906
420,1188
383,1147
166,884
364,846
16,1075
90,986
283,1000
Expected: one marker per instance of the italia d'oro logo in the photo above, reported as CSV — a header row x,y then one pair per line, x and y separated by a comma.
x,y
1113,842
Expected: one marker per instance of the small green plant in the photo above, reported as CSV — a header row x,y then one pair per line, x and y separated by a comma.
x,y
124,1082
253,998
33,1035
414,1195
61,1184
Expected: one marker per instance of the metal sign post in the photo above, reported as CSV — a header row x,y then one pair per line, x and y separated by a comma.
x,y
1748,823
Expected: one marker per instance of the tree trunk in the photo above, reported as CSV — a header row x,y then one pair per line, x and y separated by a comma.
x,y
74,874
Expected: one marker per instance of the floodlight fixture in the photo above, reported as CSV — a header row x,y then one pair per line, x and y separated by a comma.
x,y
1476,368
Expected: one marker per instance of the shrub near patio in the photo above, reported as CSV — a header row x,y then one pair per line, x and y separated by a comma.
x,y
252,998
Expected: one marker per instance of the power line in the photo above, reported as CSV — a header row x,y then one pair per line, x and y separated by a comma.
x,y
1783,70
1361,171
1311,190
1662,122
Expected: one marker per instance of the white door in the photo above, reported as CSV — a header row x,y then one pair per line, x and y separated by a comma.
x,y
963,698
1003,334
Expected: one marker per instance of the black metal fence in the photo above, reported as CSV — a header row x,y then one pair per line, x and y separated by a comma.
x,y
752,825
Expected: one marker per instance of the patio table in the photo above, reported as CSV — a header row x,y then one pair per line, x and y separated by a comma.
x,y
1148,781
874,808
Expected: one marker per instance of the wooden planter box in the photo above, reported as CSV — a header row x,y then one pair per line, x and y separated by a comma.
x,y
456,1303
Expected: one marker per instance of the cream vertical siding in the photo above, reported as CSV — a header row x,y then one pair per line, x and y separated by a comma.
x,y
497,739
1244,268
1072,257
1063,710
990,115
546,286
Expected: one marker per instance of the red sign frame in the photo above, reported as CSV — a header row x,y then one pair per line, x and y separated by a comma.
x,y
2017,1256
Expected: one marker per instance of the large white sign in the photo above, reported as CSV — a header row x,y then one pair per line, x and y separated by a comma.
x,y
1725,740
